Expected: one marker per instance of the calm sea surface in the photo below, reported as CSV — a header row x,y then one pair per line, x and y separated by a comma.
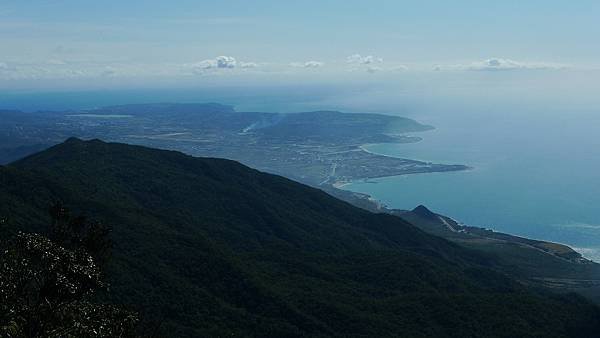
x,y
538,176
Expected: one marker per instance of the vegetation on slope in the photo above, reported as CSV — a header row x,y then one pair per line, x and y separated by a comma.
x,y
47,286
211,247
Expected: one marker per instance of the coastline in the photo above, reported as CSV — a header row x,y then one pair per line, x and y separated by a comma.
x,y
363,147
341,184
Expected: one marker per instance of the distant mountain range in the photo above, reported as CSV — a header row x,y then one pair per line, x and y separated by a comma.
x,y
210,247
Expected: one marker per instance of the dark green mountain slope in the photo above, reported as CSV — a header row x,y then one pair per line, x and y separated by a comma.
x,y
209,247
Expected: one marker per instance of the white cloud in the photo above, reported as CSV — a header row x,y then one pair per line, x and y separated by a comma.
x,y
363,60
205,64
307,64
50,69
248,65
226,62
499,64
368,63
313,64
399,68
220,62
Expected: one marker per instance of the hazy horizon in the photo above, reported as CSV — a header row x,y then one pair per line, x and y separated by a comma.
x,y
69,45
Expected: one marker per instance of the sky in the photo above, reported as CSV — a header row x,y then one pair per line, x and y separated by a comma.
x,y
74,44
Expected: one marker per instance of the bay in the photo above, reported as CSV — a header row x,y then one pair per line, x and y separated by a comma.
x,y
534,175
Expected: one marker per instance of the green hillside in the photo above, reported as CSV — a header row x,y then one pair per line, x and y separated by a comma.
x,y
209,247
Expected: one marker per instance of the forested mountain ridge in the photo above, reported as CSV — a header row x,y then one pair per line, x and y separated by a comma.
x,y
211,247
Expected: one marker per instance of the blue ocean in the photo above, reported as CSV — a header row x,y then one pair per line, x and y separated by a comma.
x,y
535,174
